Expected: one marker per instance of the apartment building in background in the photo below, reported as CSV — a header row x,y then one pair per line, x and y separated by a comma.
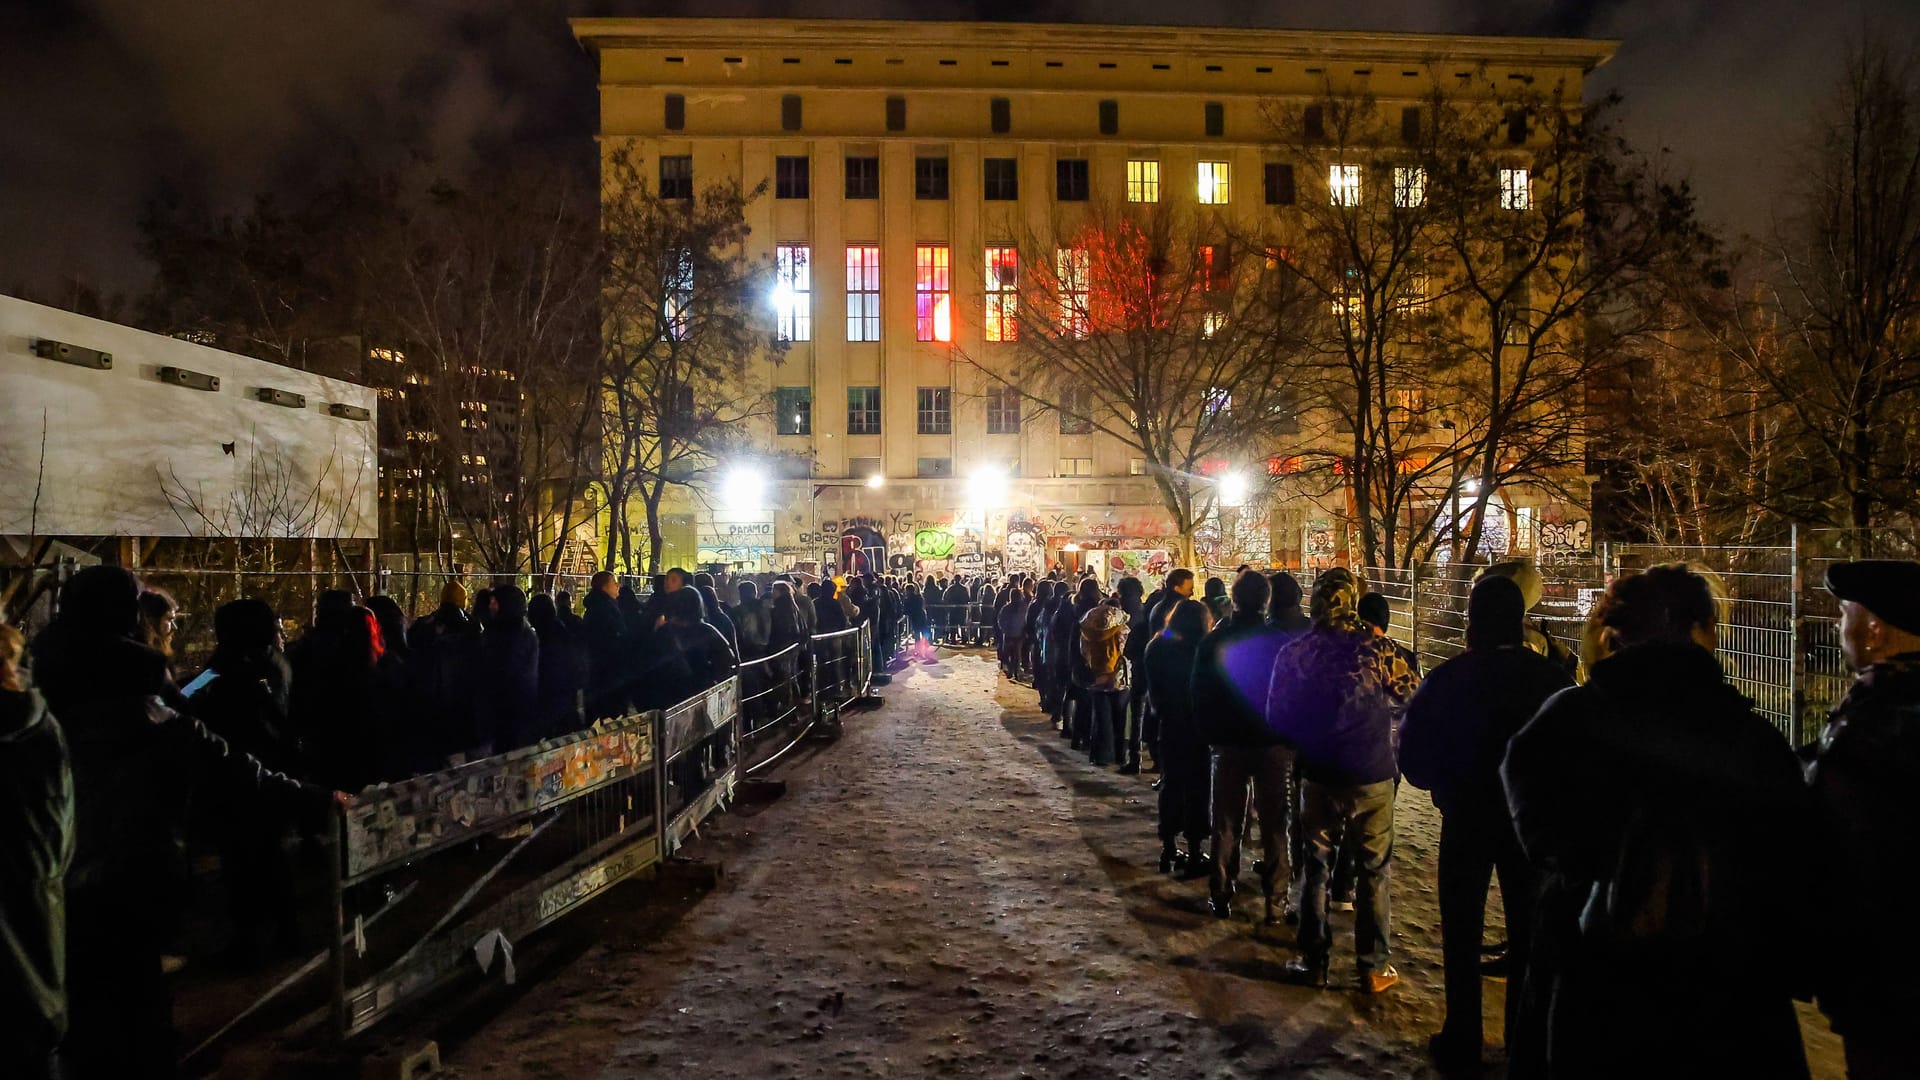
x,y
905,165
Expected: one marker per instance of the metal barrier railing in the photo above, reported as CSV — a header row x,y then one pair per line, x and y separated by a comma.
x,y
842,670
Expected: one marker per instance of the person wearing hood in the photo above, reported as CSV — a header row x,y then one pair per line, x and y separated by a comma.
x,y
1532,590
1864,771
1215,597
136,753
1073,706
506,684
1283,610
605,633
1336,694
1103,675
1013,626
563,667
753,622
36,847
1454,738
1167,670
1664,816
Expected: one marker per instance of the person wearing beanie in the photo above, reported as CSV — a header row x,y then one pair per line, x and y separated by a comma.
x,y
1532,589
1334,696
1283,610
1454,738
1865,769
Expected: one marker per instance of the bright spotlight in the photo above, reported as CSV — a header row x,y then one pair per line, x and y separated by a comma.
x,y
1234,490
1471,487
987,488
876,480
744,488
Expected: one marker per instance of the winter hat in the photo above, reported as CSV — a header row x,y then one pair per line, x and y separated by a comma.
x,y
1523,573
1496,613
1336,593
454,593
102,598
1375,610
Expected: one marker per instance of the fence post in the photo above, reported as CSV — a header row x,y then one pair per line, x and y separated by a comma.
x,y
659,726
337,942
1413,610
1797,670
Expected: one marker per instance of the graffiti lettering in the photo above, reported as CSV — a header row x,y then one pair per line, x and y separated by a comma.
x,y
932,543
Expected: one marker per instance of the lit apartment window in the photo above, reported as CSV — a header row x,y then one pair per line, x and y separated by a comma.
x,y
1076,411
391,356
1070,266
1219,402
1003,410
933,292
1516,193
793,410
1137,466
676,176
792,179
863,292
1143,181
677,285
863,410
1523,529
1409,187
1003,293
1074,466
1213,183
935,410
1415,287
1002,179
793,292
1211,323
1343,185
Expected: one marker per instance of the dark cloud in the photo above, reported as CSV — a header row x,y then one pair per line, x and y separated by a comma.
x,y
106,99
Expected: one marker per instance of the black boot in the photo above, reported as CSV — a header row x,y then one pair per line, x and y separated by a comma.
x,y
1169,857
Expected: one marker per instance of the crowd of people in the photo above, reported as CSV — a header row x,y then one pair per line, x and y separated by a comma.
x,y
1653,835
110,757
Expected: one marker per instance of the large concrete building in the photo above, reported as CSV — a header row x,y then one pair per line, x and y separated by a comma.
x,y
899,159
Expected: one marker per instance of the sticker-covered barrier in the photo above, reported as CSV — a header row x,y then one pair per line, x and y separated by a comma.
x,y
450,869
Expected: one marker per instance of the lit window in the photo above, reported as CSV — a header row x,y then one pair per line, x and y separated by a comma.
x,y
1003,410
1074,466
1415,287
793,410
1211,323
1219,402
1143,181
1213,183
1409,187
793,292
1343,184
391,356
1523,529
1515,191
677,289
933,292
1137,466
863,292
1003,293
1071,267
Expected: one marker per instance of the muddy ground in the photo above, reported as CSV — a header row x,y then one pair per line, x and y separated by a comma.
x,y
948,890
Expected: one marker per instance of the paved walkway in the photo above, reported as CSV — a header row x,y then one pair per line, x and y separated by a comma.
x,y
949,890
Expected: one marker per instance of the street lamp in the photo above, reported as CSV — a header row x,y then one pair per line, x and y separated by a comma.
x,y
1233,489
987,488
744,488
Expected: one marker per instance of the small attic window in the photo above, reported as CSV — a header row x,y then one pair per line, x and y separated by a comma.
x,y
1215,67
1055,63
1108,64
1316,71
1363,71
949,63
676,59
998,63
1264,70
732,60
843,59
1163,67
896,60
789,59
1411,74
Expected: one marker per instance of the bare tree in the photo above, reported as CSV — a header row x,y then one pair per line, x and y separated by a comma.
x,y
681,333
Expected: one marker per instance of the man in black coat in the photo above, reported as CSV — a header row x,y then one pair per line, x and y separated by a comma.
x,y
1454,738
1865,772
1231,677
607,644
36,846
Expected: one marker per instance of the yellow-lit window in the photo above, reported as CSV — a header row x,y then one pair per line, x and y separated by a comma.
x,y
1071,266
1143,181
1214,178
1516,193
793,292
1003,293
1343,185
933,292
1409,187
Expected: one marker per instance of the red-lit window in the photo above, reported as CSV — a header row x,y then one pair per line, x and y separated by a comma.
x,y
863,292
1003,293
1071,266
1214,273
933,292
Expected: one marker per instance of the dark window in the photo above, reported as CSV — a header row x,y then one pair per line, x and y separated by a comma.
x,y
676,112
863,410
930,178
1109,118
1410,125
1279,183
936,410
1216,118
863,178
790,112
1070,180
1003,410
1002,179
1000,115
1076,407
1313,122
791,178
1517,126
935,467
793,408
676,176
896,114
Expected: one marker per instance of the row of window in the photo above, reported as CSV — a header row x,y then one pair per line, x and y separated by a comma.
x,y
793,411
1213,181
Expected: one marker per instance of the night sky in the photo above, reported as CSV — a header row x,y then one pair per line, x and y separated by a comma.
x,y
103,102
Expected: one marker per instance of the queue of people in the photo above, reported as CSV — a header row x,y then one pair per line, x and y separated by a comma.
x,y
1651,832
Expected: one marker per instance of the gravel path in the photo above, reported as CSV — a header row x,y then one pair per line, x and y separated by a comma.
x,y
949,890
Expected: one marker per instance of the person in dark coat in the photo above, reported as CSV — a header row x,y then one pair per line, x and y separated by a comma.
x,y
1283,610
753,622
244,697
956,602
436,675
1231,677
1864,771
690,654
1167,669
506,683
605,633
1012,626
346,705
716,612
136,754
1335,696
36,847
1077,702
563,668
1215,596
1454,738
1135,734
1665,817
563,606
394,634
917,621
